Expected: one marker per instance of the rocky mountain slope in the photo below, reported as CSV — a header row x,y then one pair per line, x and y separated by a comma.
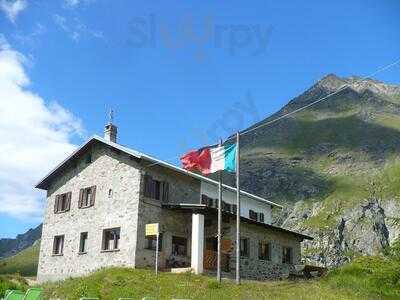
x,y
335,166
9,247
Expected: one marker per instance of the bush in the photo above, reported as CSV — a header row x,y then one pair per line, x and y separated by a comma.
x,y
378,275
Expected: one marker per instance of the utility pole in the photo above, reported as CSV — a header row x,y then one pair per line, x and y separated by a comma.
x,y
219,222
237,210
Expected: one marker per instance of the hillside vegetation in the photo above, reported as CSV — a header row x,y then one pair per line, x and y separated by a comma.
x,y
334,167
364,278
24,263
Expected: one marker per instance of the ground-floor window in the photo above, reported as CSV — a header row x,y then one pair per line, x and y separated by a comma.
x,y
83,242
179,246
244,247
111,239
287,255
151,242
58,245
264,251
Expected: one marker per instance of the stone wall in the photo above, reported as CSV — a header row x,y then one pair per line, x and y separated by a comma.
x,y
182,188
109,170
252,267
172,223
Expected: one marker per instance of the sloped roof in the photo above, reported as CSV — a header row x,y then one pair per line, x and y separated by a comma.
x,y
43,184
203,207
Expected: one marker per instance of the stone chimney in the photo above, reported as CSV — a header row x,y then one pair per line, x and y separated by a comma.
x,y
110,131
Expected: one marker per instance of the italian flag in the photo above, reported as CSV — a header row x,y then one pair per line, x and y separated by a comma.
x,y
211,159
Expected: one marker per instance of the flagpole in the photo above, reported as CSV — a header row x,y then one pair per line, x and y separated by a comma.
x,y
237,210
219,223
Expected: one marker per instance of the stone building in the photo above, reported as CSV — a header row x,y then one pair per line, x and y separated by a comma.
x,y
101,197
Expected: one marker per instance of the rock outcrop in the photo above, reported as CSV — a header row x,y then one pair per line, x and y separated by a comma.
x,y
10,247
334,166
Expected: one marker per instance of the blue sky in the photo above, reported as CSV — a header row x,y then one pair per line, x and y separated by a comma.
x,y
177,73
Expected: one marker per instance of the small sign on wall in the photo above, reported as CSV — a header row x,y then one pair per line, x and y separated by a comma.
x,y
152,229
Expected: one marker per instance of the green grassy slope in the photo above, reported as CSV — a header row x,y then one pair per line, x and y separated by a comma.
x,y
365,278
24,263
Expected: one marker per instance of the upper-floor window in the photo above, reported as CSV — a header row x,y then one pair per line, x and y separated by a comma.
x,y
62,202
87,197
156,189
83,242
244,247
111,239
287,255
259,217
58,245
264,251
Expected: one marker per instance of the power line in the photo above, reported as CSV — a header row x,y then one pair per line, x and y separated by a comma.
x,y
317,101
384,68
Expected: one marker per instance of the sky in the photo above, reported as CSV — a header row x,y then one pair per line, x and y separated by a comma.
x,y
178,74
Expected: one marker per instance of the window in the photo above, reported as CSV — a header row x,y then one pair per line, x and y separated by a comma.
x,y
83,242
58,245
179,246
252,215
156,189
111,239
286,255
87,197
62,202
264,251
151,242
259,217
244,247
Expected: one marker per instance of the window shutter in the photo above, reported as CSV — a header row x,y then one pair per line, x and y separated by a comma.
x,y
69,196
56,200
165,192
147,186
93,198
81,194
261,217
54,245
59,204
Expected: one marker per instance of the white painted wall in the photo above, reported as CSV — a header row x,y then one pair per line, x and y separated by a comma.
x,y
246,203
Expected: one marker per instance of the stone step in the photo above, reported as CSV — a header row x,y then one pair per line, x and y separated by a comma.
x,y
181,270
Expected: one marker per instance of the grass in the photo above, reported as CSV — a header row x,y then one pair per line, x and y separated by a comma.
x,y
24,263
364,278
10,282
376,275
118,282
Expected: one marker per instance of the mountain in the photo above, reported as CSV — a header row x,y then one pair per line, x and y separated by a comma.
x,y
10,247
334,165
24,263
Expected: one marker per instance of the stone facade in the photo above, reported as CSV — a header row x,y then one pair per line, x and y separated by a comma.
x,y
252,267
120,203
116,208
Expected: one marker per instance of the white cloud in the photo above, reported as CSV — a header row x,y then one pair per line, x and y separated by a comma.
x,y
76,29
35,135
32,38
12,8
75,3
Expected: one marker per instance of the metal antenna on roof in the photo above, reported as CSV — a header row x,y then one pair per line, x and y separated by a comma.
x,y
111,116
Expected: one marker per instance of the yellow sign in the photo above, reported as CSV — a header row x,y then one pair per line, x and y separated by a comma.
x,y
152,229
